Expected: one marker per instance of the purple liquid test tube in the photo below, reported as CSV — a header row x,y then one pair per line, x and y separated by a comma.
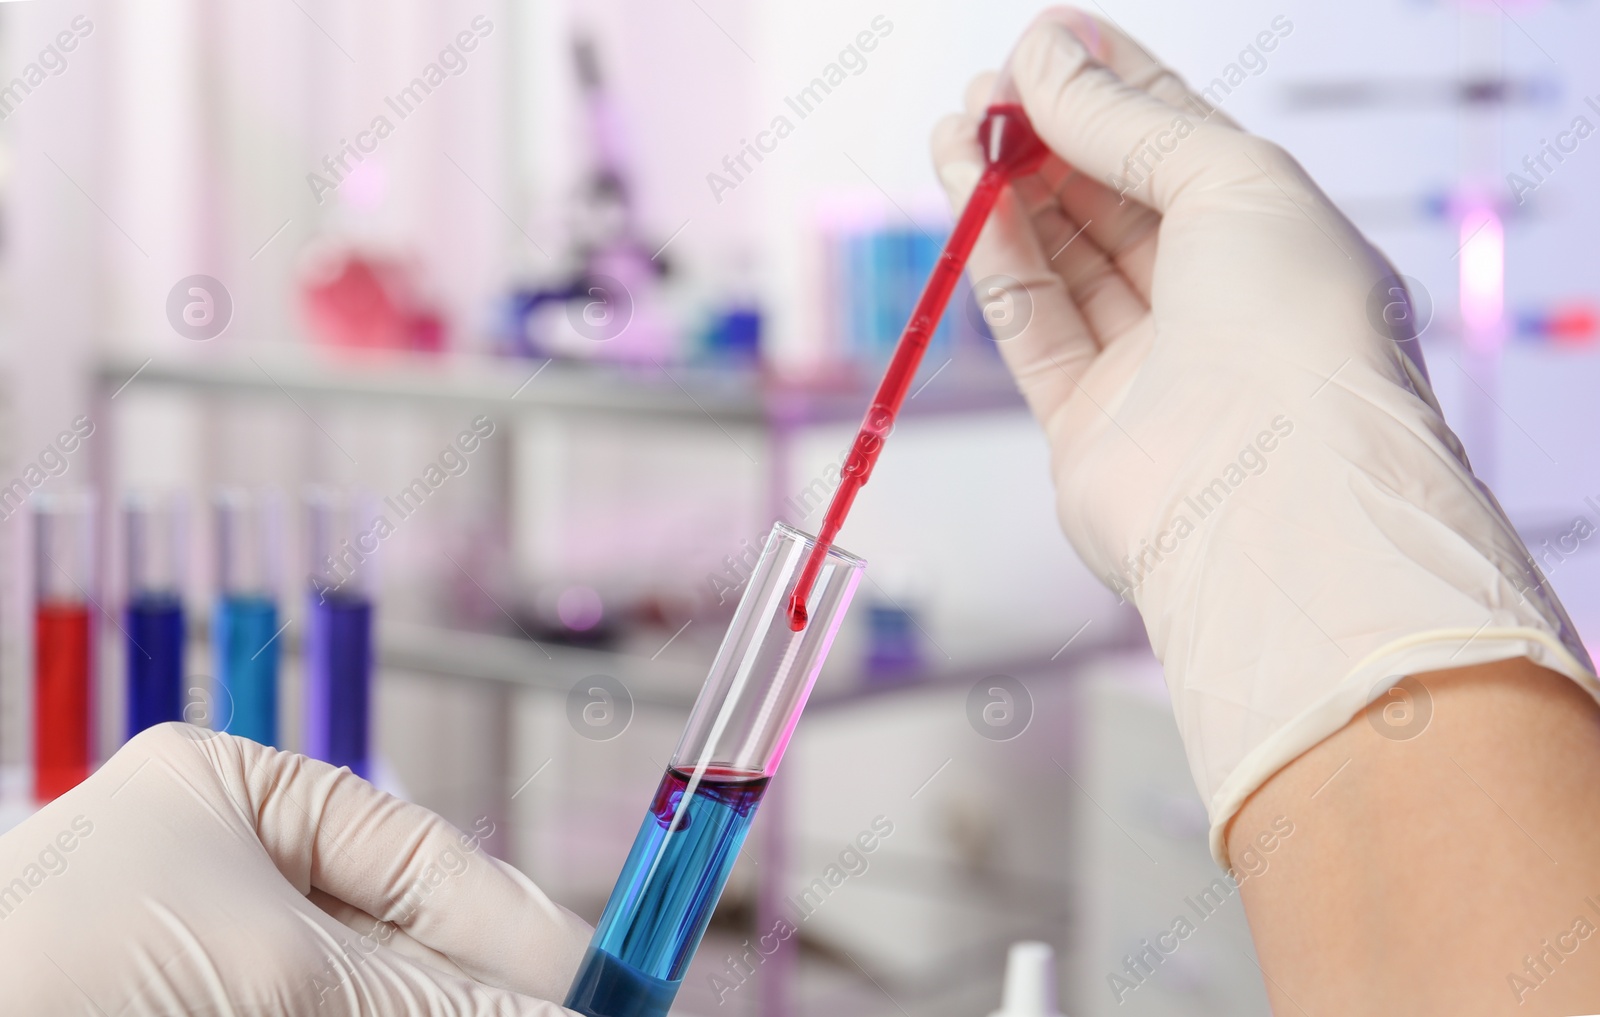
x,y
338,638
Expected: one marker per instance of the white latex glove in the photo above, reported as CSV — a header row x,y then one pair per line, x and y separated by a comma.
x,y
199,873
1235,448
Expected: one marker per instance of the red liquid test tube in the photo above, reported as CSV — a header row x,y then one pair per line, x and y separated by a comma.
x,y
63,636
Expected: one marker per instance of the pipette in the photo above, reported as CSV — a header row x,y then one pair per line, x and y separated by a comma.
x,y
1010,149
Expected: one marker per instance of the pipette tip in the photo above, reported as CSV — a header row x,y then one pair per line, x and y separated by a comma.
x,y
797,614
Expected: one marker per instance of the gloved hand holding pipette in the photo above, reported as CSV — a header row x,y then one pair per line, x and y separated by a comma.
x,y
1237,450
1241,453
196,872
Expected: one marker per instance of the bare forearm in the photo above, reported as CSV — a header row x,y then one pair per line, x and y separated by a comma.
x,y
1441,866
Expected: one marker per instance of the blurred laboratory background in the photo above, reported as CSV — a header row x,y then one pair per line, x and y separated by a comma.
x,y
413,384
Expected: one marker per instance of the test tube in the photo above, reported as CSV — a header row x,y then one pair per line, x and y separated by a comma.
x,y
153,535
729,751
338,642
63,529
245,627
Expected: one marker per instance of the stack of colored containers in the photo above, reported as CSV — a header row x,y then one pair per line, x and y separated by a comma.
x,y
248,627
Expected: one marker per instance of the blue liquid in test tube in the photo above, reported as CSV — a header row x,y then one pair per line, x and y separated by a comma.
x,y
667,891
153,613
245,633
703,808
245,628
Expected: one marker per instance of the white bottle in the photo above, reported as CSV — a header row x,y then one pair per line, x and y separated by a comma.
x,y
1030,989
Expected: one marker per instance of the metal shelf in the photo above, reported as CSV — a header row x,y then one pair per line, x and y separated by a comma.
x,y
452,654
647,390
638,392
522,664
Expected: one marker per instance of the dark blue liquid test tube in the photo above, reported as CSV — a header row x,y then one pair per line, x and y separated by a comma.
x,y
154,623
153,613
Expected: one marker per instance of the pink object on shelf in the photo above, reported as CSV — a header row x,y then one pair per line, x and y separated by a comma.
x,y
359,301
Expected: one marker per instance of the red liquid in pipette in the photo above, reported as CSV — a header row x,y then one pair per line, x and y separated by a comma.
x,y
1010,148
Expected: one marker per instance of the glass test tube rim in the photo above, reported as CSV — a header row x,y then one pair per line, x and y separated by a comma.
x,y
327,511
854,567
254,515
809,541
154,532
67,516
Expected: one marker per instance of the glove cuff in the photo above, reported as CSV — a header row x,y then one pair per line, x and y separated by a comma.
x,y
1419,653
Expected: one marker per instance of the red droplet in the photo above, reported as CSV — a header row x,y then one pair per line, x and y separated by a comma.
x,y
797,614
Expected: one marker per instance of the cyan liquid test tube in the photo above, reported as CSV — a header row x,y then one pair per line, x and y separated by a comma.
x,y
246,633
63,632
697,821
154,531
338,639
